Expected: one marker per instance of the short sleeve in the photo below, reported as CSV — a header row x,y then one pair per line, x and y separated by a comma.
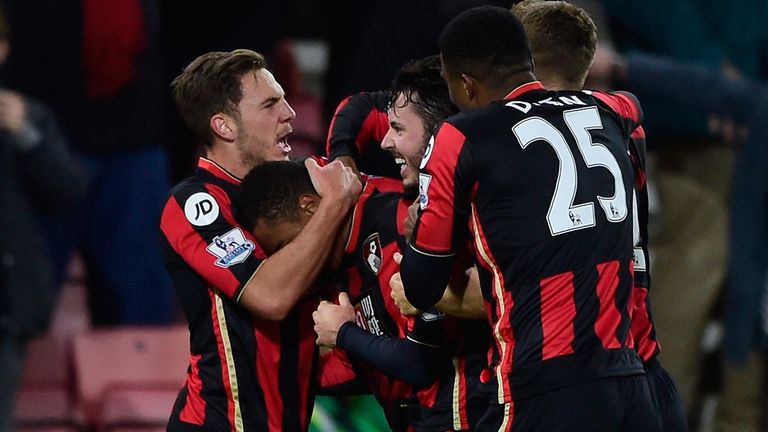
x,y
198,225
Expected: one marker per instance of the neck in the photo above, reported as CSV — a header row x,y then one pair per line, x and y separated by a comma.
x,y
497,93
227,157
554,83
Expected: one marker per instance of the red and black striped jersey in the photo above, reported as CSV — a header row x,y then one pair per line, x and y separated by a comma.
x,y
245,374
542,183
357,129
643,329
375,236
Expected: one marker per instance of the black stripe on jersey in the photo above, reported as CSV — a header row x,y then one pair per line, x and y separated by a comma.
x,y
289,363
624,304
587,310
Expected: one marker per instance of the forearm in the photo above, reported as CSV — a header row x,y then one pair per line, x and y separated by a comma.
x,y
463,298
424,277
284,277
400,359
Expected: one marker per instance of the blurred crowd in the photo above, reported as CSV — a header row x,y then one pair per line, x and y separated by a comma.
x,y
90,145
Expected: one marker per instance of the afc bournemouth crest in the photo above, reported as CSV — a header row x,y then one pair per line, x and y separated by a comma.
x,y
372,253
230,248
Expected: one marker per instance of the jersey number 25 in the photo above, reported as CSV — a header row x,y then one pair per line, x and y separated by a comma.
x,y
563,216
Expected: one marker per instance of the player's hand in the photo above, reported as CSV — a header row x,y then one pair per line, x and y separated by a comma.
x,y
410,221
398,292
335,183
330,317
349,161
13,111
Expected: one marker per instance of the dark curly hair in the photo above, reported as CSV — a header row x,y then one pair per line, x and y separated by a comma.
x,y
422,86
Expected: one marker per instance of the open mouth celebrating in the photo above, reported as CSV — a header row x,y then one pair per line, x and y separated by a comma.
x,y
282,143
400,161
284,146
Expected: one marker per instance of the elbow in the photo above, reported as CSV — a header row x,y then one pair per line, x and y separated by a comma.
x,y
268,309
276,312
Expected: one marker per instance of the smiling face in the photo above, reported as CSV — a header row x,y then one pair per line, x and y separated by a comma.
x,y
265,120
406,140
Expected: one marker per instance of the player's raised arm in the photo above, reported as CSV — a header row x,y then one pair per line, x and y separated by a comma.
x,y
284,277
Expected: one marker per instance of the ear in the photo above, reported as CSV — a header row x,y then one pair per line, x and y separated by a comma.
x,y
224,127
470,85
308,204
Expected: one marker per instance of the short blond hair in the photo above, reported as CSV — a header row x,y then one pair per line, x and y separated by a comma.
x,y
562,37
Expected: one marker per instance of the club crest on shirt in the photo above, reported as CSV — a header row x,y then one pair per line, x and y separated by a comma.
x,y
230,248
372,254
424,180
365,316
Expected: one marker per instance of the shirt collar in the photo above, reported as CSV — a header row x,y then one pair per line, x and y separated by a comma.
x,y
524,88
219,172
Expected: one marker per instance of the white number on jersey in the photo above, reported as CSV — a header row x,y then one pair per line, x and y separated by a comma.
x,y
563,216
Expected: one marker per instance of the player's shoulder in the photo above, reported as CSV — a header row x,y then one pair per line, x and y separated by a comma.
x,y
380,203
468,120
613,97
502,111
623,103
188,186
195,193
377,198
382,184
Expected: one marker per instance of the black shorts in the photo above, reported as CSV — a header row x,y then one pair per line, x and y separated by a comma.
x,y
615,404
666,398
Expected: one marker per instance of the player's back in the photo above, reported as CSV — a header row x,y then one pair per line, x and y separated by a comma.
x,y
549,184
552,184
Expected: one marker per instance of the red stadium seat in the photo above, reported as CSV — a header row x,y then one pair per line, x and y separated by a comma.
x,y
129,377
44,408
